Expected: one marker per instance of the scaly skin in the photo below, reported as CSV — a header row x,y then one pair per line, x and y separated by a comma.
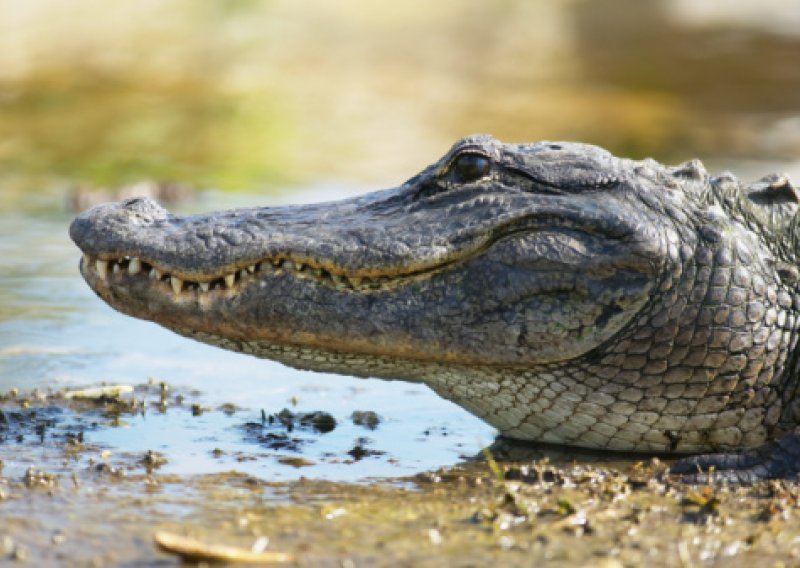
x,y
556,291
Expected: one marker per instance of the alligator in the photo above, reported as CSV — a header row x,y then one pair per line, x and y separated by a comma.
x,y
560,293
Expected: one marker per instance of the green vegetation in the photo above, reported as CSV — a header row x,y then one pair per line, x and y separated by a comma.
x,y
108,133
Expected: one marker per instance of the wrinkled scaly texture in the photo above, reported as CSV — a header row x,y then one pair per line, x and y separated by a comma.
x,y
556,291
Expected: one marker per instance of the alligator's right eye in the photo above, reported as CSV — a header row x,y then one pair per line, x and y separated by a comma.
x,y
470,167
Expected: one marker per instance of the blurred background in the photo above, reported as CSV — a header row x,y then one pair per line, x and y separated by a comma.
x,y
271,94
212,104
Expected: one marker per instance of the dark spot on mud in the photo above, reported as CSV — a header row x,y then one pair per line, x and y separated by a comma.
x,y
296,462
152,461
322,422
229,409
441,430
274,429
42,423
257,433
537,473
360,450
366,418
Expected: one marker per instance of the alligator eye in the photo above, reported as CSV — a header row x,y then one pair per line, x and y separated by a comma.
x,y
470,167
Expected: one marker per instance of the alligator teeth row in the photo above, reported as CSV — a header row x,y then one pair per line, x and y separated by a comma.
x,y
134,266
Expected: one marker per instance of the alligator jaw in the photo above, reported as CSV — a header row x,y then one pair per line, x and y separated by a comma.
x,y
123,270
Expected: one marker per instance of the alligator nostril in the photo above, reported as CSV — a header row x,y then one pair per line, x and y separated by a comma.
x,y
555,146
141,207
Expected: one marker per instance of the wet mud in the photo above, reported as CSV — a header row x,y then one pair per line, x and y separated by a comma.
x,y
68,501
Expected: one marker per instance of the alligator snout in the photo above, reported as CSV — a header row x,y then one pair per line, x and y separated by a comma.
x,y
108,224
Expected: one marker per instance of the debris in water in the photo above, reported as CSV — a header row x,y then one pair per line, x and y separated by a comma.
x,y
295,461
366,418
94,393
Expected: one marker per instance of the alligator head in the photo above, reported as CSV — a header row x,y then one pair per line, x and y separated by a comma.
x,y
534,266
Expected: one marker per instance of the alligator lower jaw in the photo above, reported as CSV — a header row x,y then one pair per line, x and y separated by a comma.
x,y
107,269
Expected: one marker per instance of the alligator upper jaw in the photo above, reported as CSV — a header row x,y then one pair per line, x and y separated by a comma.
x,y
109,270
346,243
369,243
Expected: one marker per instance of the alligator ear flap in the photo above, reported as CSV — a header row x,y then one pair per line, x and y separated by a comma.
x,y
693,169
774,189
776,201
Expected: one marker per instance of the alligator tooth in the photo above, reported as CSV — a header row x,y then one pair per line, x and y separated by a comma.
x,y
356,281
299,266
242,274
116,268
288,265
86,260
251,268
102,268
204,286
229,280
177,284
135,266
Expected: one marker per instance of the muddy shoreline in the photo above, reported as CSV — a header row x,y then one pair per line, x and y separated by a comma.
x,y
65,500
